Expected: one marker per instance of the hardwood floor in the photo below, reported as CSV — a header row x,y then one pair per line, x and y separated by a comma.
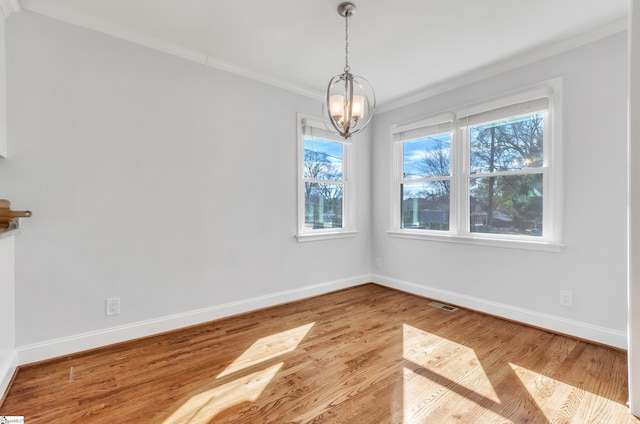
x,y
363,355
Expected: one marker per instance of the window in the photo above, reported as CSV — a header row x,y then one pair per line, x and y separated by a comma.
x,y
483,174
426,174
325,192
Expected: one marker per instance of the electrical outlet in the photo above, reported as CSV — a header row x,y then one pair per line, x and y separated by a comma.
x,y
113,306
566,298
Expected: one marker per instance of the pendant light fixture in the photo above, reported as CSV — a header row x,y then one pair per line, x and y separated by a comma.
x,y
350,101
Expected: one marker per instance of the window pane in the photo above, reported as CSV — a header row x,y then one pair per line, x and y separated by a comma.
x,y
506,204
426,205
323,205
322,159
427,157
507,145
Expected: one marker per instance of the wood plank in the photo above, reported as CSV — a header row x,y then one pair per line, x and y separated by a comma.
x,y
367,354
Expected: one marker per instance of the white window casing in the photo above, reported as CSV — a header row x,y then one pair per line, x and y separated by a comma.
x,y
545,98
313,127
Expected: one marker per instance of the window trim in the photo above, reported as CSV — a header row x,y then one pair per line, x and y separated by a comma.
x,y
446,124
348,197
459,200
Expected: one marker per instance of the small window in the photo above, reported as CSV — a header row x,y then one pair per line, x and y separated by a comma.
x,y
325,193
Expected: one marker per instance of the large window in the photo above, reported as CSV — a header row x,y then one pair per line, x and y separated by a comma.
x,y
324,206
483,174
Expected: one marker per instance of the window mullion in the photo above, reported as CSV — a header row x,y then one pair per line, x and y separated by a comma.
x,y
322,181
462,198
348,191
396,189
523,171
426,180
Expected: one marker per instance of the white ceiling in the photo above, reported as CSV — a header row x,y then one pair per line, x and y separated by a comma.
x,y
403,47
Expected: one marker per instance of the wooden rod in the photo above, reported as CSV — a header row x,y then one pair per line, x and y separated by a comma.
x,y
7,215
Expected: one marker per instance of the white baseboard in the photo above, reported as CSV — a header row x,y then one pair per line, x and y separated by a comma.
x,y
553,323
78,343
85,341
8,364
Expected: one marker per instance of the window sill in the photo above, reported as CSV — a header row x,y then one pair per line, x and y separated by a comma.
x,y
545,246
325,236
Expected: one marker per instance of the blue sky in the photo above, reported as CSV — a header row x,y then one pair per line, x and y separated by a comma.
x,y
415,150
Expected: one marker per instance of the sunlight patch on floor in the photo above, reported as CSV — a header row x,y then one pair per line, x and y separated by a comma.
x,y
203,407
557,399
427,401
268,348
435,372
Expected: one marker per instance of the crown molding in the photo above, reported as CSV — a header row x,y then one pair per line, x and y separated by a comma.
x,y
53,10
86,21
83,20
508,64
263,78
7,7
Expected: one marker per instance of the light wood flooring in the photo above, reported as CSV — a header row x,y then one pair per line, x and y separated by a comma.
x,y
362,355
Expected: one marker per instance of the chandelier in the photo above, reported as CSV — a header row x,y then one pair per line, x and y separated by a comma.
x,y
350,100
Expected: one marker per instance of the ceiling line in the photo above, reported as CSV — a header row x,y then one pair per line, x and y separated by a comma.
x,y
508,64
49,9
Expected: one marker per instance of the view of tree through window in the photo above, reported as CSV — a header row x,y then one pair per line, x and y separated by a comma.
x,y
506,181
481,174
323,183
426,174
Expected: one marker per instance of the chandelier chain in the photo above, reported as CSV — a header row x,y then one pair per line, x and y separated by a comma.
x,y
350,100
346,42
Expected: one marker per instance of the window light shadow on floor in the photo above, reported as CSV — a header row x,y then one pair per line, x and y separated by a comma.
x,y
205,406
247,387
432,368
364,355
580,402
436,367
439,379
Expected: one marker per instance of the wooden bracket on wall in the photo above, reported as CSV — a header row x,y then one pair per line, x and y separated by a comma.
x,y
9,218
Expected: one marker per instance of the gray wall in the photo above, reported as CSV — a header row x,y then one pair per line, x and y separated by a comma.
x,y
522,284
172,185
166,183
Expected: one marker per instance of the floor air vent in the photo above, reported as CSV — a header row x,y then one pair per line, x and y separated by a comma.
x,y
443,306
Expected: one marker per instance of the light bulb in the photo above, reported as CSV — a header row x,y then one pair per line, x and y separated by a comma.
x,y
336,106
357,109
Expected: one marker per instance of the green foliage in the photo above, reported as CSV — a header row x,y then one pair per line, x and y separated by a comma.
x,y
507,203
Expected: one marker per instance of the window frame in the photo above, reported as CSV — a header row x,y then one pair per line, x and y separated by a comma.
x,y
459,208
348,228
433,126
